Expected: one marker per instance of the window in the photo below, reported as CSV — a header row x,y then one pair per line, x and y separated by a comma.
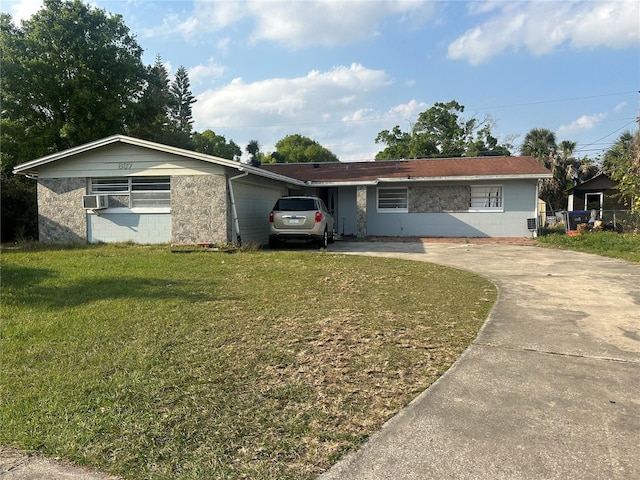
x,y
486,198
142,192
393,199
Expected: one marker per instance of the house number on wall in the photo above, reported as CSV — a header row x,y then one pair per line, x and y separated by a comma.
x,y
125,166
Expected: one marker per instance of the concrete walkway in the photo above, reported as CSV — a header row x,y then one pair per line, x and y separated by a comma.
x,y
550,389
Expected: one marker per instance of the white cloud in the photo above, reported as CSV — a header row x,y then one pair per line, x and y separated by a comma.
x,y
620,107
22,9
542,27
296,24
201,74
585,122
330,23
315,105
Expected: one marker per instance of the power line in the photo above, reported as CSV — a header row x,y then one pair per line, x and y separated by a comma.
x,y
561,100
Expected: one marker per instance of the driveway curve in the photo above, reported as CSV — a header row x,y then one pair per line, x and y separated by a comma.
x,y
549,389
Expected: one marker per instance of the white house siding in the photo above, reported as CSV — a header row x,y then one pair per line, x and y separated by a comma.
x,y
518,202
123,160
254,199
144,228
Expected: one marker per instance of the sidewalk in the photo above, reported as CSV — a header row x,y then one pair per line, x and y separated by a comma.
x,y
549,389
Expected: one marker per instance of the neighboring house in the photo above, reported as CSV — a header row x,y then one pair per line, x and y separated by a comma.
x,y
125,189
598,193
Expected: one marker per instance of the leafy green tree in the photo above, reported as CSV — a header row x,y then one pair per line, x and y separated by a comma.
x,y
70,75
211,144
441,131
486,145
622,163
74,71
150,114
397,143
300,149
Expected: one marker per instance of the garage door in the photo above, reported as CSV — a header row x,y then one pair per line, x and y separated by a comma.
x,y
144,228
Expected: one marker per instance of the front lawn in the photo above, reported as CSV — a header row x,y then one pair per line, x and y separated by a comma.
x,y
151,364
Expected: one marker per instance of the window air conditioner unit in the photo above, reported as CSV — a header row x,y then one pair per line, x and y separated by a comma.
x,y
94,202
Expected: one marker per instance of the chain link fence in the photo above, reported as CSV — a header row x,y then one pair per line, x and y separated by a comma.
x,y
620,221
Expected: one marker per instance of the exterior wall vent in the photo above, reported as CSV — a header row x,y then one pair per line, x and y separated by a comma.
x,y
95,202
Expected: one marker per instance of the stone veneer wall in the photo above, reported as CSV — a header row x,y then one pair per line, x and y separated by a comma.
x,y
439,199
61,218
361,205
199,209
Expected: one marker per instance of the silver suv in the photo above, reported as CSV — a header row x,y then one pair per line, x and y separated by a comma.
x,y
301,218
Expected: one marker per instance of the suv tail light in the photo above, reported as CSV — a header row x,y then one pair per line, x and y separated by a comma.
x,y
318,216
271,217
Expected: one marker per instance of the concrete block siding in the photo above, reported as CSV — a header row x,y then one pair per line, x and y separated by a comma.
x,y
61,218
144,228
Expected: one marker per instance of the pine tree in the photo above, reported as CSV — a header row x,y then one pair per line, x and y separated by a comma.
x,y
180,109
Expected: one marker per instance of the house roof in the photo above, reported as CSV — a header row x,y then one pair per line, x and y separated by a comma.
x,y
31,167
437,169
335,173
600,181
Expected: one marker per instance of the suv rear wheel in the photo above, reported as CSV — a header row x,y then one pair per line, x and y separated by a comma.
x,y
324,240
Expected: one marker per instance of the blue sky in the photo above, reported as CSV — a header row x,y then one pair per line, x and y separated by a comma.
x,y
339,72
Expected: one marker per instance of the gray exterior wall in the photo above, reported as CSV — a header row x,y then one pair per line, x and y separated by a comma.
x,y
448,216
347,214
199,209
61,218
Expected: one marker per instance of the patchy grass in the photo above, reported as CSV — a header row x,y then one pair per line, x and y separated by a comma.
x,y
625,246
260,365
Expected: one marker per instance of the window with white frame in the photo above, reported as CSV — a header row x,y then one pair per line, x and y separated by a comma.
x,y
394,199
143,192
486,198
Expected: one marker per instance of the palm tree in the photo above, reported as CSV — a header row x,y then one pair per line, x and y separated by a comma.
x,y
540,143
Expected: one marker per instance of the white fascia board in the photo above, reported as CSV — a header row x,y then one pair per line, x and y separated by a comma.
x,y
466,178
243,167
310,183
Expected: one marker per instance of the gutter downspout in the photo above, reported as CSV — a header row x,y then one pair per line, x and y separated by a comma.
x,y
234,211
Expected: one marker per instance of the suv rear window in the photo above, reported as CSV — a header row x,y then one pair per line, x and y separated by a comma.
x,y
295,204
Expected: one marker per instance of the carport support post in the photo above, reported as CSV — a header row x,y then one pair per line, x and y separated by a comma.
x,y
234,211
361,205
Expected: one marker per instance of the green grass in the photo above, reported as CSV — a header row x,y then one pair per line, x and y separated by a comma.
x,y
624,246
151,364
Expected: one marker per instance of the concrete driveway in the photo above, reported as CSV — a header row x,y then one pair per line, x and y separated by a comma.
x,y
550,389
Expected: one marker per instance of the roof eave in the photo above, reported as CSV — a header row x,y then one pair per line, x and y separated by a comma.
x,y
31,168
461,178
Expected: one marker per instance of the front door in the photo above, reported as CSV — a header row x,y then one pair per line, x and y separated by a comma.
x,y
593,201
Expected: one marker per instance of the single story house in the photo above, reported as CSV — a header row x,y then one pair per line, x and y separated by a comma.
x,y
125,189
